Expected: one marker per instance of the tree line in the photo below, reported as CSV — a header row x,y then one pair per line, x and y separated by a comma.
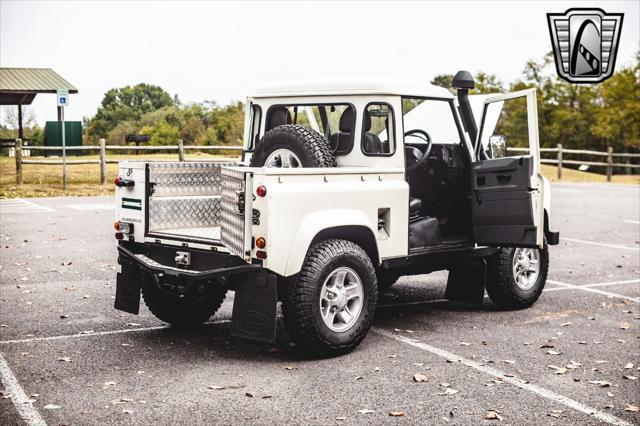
x,y
580,116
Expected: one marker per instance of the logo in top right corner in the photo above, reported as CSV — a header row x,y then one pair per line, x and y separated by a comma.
x,y
585,43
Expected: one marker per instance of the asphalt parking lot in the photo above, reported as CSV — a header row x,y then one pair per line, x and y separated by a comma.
x,y
67,357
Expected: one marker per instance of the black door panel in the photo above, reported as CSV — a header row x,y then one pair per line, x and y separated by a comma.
x,y
502,207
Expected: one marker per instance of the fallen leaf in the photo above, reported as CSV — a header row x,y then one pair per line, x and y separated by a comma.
x,y
267,396
290,367
376,369
444,384
365,411
51,407
566,324
127,411
609,394
449,391
396,413
628,366
601,361
420,378
624,326
64,316
341,418
359,378
393,356
601,383
86,296
573,365
558,370
551,352
418,364
628,377
546,345
632,408
215,387
248,395
64,359
464,344
508,361
493,415
133,324
106,384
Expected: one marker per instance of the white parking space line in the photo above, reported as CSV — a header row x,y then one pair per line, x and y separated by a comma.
x,y
595,243
98,333
594,290
522,384
592,285
19,205
633,222
23,404
83,207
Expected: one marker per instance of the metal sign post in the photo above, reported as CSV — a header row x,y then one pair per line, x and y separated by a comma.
x,y
63,101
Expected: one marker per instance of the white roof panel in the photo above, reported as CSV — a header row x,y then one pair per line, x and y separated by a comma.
x,y
352,87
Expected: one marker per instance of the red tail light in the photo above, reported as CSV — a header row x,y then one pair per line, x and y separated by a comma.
x,y
119,182
261,254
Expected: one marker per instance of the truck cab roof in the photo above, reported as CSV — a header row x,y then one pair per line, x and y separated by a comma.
x,y
325,87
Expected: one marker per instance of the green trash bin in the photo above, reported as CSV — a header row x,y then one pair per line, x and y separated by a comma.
x,y
53,137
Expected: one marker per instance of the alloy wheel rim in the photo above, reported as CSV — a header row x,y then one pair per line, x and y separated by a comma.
x,y
526,267
283,158
341,299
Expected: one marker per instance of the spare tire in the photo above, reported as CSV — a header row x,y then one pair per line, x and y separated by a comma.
x,y
291,145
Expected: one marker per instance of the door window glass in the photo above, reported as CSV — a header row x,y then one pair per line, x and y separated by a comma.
x,y
378,130
505,123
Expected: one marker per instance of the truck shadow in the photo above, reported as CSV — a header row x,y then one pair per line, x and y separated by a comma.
x,y
419,307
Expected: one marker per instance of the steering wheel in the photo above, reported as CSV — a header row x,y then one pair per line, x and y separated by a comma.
x,y
421,134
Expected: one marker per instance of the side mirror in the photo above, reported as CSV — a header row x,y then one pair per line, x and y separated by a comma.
x,y
497,146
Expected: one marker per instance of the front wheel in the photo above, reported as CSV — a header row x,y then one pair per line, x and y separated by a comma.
x,y
516,276
329,305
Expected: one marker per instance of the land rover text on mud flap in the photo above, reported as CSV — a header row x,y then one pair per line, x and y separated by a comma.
x,y
342,188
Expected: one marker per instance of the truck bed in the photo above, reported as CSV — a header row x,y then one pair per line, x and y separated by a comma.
x,y
205,233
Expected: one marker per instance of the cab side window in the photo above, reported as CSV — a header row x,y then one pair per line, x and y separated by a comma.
x,y
378,130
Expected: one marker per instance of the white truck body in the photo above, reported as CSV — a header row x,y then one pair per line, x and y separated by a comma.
x,y
214,222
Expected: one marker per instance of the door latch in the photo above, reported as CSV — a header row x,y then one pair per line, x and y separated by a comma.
x,y
183,258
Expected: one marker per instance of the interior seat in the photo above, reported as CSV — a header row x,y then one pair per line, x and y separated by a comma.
x,y
415,205
278,116
371,142
341,142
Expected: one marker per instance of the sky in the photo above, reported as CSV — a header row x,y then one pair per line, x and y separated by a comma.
x,y
222,51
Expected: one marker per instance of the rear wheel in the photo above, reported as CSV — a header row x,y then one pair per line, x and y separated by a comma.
x,y
329,305
516,276
185,309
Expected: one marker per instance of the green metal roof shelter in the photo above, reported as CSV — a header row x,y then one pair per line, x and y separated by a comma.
x,y
19,86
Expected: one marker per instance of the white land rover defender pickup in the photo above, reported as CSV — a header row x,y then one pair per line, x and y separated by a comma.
x,y
342,188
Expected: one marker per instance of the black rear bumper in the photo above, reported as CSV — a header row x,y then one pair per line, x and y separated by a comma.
x,y
254,308
150,258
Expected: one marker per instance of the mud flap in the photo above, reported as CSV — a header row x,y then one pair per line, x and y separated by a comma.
x,y
254,308
466,281
128,285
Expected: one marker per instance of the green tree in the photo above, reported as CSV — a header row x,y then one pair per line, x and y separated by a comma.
x,y
617,115
127,103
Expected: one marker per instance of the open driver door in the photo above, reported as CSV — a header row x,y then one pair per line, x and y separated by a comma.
x,y
507,200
